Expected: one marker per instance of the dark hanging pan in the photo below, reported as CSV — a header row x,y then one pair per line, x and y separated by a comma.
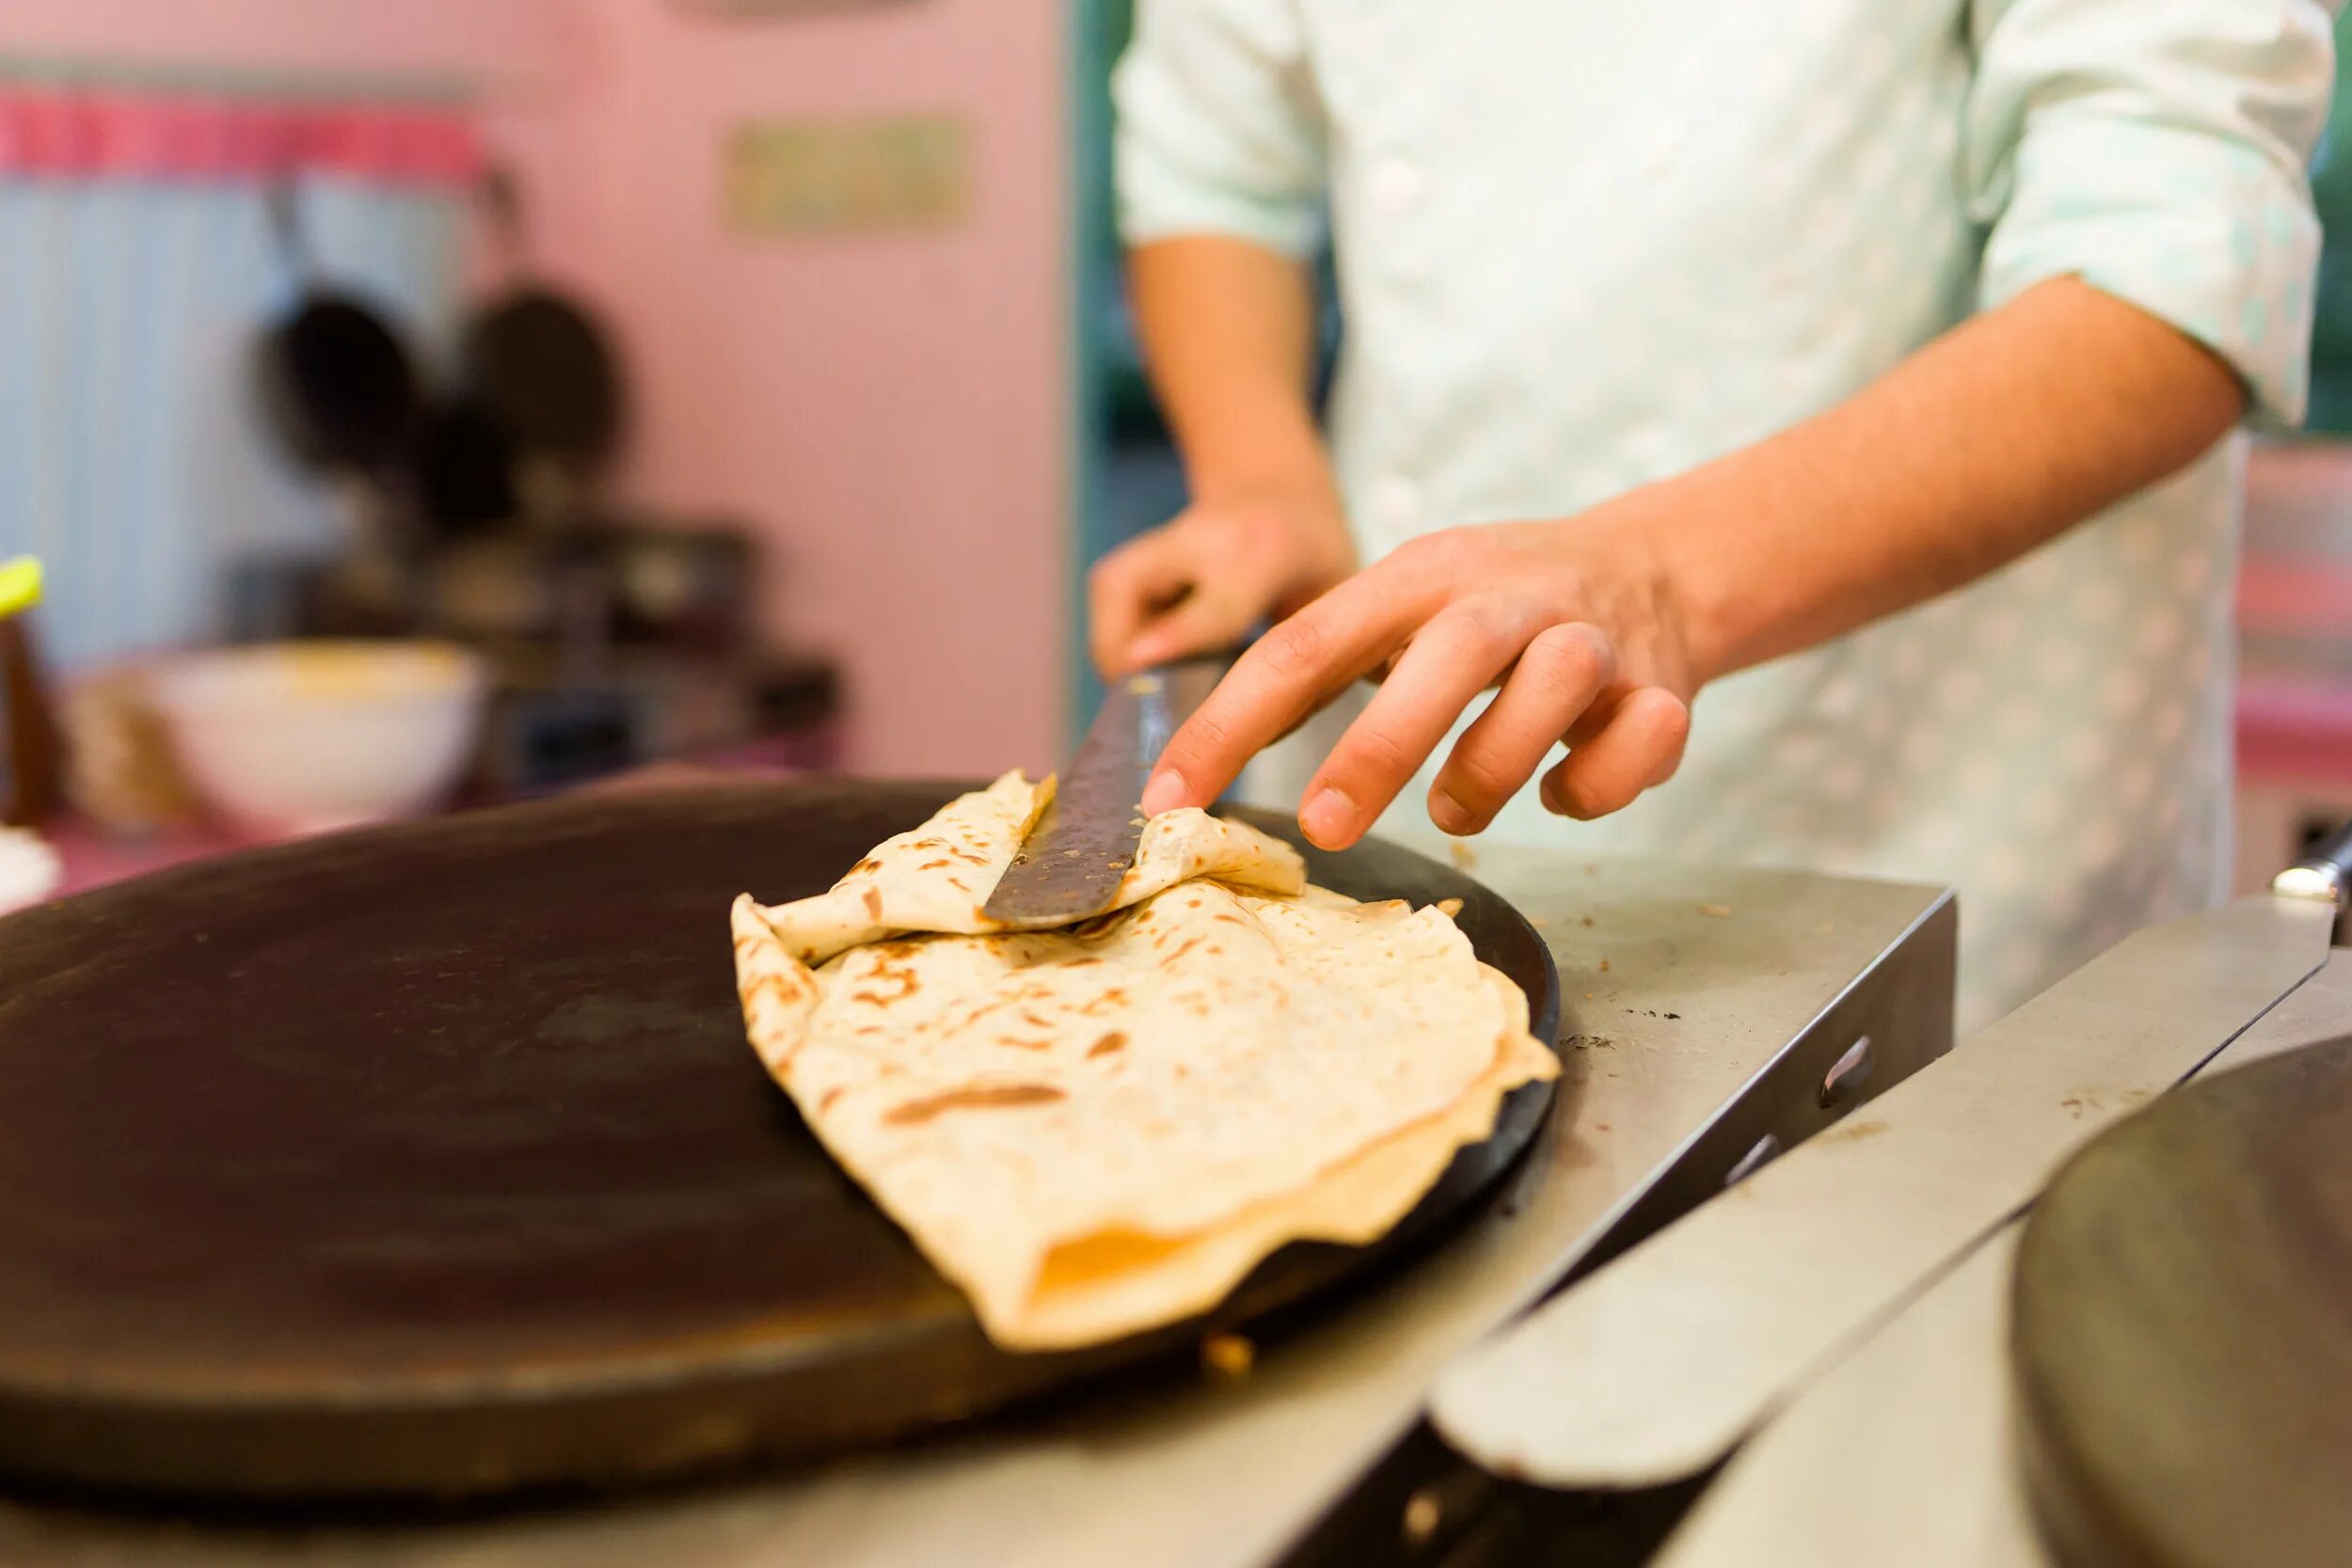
x,y
538,363
336,382
465,471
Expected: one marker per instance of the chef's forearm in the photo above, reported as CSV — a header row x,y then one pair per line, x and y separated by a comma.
x,y
1992,440
1228,334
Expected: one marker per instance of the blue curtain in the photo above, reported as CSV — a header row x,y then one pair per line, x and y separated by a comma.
x,y
133,459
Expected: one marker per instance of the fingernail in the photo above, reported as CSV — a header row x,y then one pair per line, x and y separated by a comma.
x,y
1328,818
1166,792
1449,813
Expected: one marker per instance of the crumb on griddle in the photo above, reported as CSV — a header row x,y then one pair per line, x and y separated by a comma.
x,y
1716,912
1227,1354
1422,1515
1450,908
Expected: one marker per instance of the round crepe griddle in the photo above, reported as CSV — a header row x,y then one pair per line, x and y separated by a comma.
x,y
2181,1343
433,1159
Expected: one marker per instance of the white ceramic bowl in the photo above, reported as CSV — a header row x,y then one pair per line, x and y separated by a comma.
x,y
303,737
29,869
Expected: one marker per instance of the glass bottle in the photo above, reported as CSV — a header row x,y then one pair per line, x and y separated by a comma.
x,y
32,752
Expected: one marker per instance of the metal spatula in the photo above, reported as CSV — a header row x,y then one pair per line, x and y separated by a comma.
x,y
1069,866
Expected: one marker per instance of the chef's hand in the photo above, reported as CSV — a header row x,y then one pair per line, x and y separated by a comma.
x,y
1220,568
1571,619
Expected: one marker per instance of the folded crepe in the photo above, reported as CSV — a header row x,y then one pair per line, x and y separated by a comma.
x,y
1094,1130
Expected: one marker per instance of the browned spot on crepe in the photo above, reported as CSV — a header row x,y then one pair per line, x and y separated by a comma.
x,y
873,905
1115,1040
980,1097
902,978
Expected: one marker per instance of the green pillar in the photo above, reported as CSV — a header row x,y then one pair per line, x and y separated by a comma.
x,y
2332,188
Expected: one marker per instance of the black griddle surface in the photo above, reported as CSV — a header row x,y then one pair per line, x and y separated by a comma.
x,y
2182,1341
433,1159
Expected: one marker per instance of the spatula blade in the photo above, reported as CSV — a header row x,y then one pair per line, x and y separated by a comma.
x,y
1069,866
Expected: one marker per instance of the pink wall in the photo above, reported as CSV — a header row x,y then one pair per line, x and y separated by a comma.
x,y
889,410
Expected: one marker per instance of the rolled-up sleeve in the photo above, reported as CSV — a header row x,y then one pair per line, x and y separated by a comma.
x,y
2157,149
1221,129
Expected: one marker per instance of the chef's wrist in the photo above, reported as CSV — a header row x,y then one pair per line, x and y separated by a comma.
x,y
1286,480
1676,566
1259,449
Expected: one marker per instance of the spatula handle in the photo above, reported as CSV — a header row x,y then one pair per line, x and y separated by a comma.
x,y
2324,873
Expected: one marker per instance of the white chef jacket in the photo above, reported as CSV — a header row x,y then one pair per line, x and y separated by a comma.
x,y
1584,245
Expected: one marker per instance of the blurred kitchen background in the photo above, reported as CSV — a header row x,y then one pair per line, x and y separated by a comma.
x,y
738,380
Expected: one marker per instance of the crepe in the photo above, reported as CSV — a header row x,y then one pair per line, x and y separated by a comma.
x,y
1099,1128
936,878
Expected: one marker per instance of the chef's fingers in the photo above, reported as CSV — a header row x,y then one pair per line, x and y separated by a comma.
x,y
1549,690
1639,746
1287,674
1598,713
1448,663
1131,585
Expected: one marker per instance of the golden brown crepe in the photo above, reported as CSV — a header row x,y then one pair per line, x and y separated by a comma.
x,y
1097,1130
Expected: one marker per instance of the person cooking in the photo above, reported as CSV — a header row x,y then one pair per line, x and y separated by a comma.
x,y
1822,405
